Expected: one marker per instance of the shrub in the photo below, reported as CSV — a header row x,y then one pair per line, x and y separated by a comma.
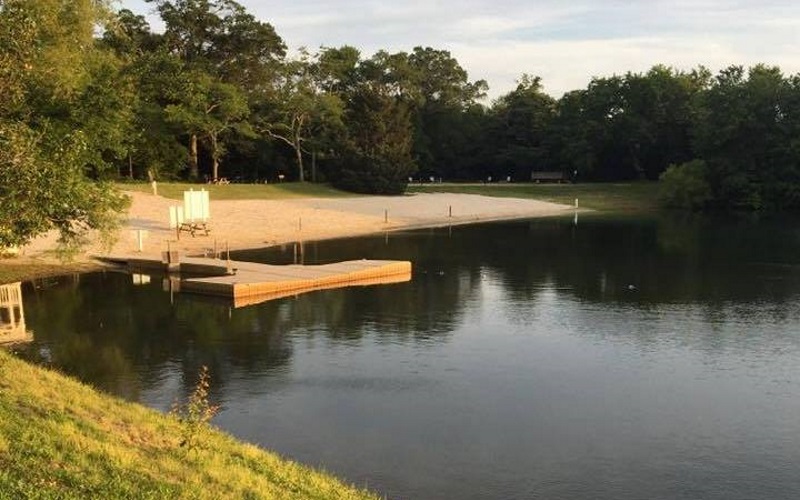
x,y
685,186
375,174
196,413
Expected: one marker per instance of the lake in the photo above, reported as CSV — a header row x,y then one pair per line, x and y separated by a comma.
x,y
615,358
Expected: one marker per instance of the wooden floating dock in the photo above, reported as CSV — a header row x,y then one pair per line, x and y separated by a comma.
x,y
249,282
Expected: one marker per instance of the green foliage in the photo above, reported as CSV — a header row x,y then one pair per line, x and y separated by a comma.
x,y
685,186
60,122
746,128
521,120
43,187
207,107
374,174
301,115
215,95
377,157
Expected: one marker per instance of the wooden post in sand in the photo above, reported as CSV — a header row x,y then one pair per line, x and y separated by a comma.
x,y
171,259
140,234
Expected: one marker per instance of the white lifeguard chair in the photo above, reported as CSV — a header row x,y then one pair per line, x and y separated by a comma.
x,y
193,217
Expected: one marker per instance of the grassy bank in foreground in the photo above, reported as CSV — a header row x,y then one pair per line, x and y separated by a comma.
x,y
622,197
282,191
62,439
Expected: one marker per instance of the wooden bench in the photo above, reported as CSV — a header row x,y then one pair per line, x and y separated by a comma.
x,y
193,228
548,177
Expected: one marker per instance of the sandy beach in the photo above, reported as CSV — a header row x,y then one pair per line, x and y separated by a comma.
x,y
243,224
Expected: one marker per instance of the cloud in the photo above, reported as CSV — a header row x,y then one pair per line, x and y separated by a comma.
x,y
566,43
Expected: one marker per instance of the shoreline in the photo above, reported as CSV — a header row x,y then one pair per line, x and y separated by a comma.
x,y
247,223
254,224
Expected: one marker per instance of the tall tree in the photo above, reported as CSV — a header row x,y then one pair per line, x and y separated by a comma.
x,y
223,38
742,132
336,69
219,38
301,110
376,156
445,95
522,118
46,54
207,108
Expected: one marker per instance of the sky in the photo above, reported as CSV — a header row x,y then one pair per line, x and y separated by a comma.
x,y
565,42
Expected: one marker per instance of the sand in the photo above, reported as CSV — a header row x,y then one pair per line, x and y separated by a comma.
x,y
244,224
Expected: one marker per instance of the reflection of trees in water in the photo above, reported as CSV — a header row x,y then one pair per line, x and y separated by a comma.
x,y
102,330
666,259
732,276
430,307
127,339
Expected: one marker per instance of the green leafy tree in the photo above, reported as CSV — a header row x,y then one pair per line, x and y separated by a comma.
x,y
522,118
218,38
129,35
301,112
336,69
48,62
446,104
569,139
377,155
626,127
157,142
744,128
207,107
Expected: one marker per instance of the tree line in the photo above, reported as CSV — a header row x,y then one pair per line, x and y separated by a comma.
x,y
92,93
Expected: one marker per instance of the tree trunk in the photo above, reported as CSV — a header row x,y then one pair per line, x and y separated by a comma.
x,y
130,166
299,156
214,158
194,171
313,166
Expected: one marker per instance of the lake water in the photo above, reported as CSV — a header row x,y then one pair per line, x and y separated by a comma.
x,y
612,359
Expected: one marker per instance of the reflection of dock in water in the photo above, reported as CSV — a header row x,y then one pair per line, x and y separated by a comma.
x,y
12,315
247,283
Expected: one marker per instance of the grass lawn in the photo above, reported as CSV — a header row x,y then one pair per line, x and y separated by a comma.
x,y
622,197
62,439
280,191
617,197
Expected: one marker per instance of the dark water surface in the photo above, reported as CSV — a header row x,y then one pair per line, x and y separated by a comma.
x,y
619,359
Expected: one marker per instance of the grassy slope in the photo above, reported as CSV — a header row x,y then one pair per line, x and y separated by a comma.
x,y
624,197
61,439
